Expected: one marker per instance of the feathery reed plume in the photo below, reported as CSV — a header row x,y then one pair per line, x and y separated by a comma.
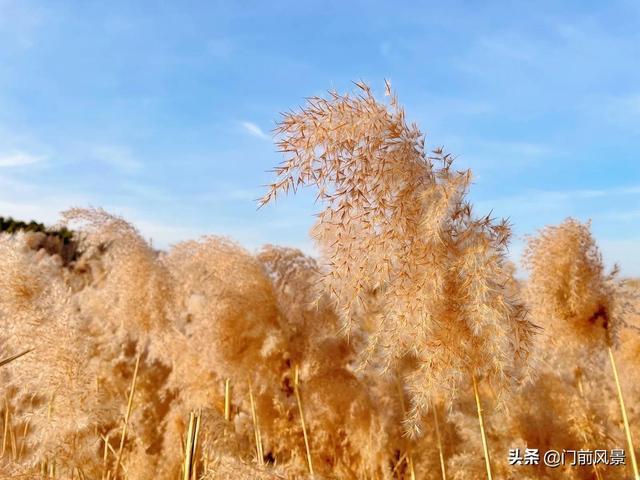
x,y
124,294
226,327
50,387
441,270
353,416
419,284
568,285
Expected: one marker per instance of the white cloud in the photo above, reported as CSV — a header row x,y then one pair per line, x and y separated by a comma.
x,y
627,216
117,156
163,235
539,200
255,130
19,159
42,208
146,192
483,156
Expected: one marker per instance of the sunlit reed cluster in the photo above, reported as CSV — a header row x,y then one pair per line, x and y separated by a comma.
x,y
407,350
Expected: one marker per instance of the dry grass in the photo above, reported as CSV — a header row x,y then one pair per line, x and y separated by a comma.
x,y
446,315
210,362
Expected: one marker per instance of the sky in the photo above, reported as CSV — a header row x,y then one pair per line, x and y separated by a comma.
x,y
163,112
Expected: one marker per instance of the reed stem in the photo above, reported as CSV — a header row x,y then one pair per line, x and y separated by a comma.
x,y
105,455
196,436
227,399
256,427
412,472
188,449
296,389
5,435
485,447
12,438
127,416
14,357
625,420
439,440
191,447
24,438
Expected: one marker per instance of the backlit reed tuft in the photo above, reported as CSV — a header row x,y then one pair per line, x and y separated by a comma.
x,y
441,270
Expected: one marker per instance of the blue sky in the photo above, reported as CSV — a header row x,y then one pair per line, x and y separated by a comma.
x,y
162,111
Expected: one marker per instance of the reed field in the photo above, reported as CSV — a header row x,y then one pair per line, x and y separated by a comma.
x,y
408,349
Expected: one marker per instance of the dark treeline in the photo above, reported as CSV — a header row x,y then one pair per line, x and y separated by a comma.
x,y
10,225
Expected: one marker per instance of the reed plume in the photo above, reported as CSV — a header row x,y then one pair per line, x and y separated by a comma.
x,y
209,361
440,269
570,287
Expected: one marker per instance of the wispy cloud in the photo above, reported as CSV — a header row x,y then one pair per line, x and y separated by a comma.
x,y
163,235
147,192
507,45
119,157
254,130
627,216
46,208
541,199
481,155
521,149
19,159
534,208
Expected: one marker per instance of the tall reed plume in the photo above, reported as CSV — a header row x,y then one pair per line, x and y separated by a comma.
x,y
445,314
